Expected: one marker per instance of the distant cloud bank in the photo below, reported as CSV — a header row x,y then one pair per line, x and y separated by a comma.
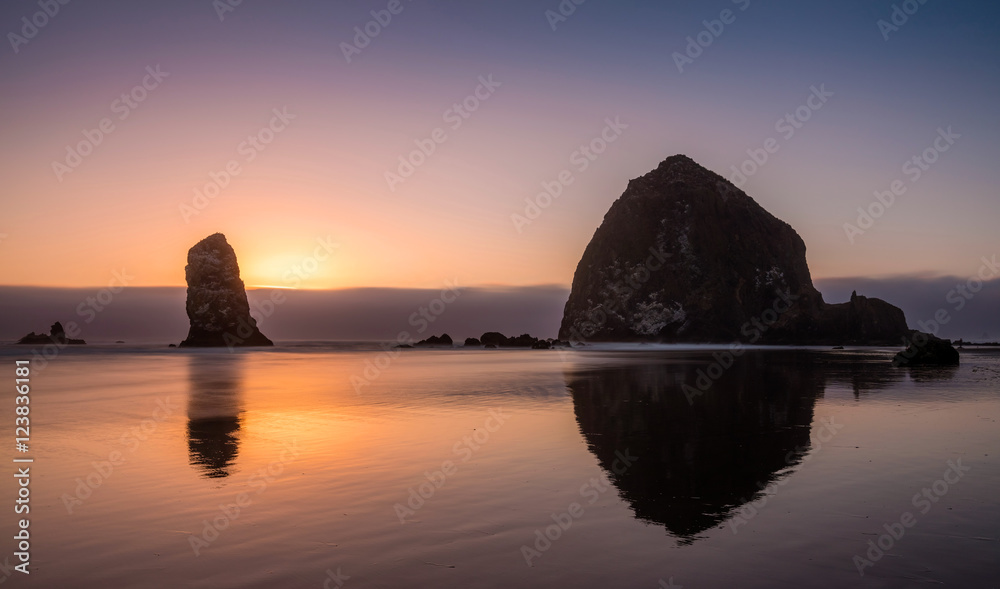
x,y
148,315
152,315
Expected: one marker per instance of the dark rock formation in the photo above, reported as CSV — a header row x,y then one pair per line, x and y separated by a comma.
x,y
444,340
216,299
522,341
499,340
57,336
472,342
927,350
685,256
862,321
493,338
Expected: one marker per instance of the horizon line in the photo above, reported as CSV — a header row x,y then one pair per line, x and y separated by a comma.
x,y
925,276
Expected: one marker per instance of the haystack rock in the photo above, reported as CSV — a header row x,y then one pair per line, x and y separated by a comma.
x,y
216,299
686,256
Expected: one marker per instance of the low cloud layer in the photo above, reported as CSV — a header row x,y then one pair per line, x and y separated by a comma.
x,y
973,316
146,315
156,315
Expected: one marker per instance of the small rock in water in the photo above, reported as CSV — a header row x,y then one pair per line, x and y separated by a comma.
x,y
927,350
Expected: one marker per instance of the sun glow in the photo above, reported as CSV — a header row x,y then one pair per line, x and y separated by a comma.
x,y
271,286
291,271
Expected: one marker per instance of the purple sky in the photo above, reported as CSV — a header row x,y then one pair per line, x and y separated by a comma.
x,y
132,130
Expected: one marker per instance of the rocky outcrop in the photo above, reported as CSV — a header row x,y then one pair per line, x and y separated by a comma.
x,y
499,340
522,341
57,336
216,299
685,256
927,350
432,341
472,342
493,338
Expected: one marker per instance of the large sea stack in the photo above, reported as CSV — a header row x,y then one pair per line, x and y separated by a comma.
x,y
686,256
216,299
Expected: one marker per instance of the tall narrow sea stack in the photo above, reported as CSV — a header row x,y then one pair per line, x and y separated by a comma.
x,y
685,256
216,299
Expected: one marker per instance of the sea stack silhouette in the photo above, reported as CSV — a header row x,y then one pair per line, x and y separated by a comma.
x,y
216,298
686,256
57,336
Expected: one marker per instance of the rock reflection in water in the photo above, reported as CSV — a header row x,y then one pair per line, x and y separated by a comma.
x,y
700,461
214,407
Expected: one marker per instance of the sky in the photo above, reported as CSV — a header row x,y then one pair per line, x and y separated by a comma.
x,y
118,115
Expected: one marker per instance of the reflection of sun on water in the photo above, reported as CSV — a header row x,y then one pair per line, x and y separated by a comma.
x,y
307,409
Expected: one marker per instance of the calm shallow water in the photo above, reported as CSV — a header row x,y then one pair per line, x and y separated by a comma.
x,y
778,475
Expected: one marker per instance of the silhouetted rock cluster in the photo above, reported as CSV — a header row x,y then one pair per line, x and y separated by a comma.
x,y
57,335
444,340
494,339
685,256
490,340
927,350
216,299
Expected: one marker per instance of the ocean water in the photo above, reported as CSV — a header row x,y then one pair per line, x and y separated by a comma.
x,y
328,465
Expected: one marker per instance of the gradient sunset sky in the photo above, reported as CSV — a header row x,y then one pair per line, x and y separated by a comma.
x,y
323,176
